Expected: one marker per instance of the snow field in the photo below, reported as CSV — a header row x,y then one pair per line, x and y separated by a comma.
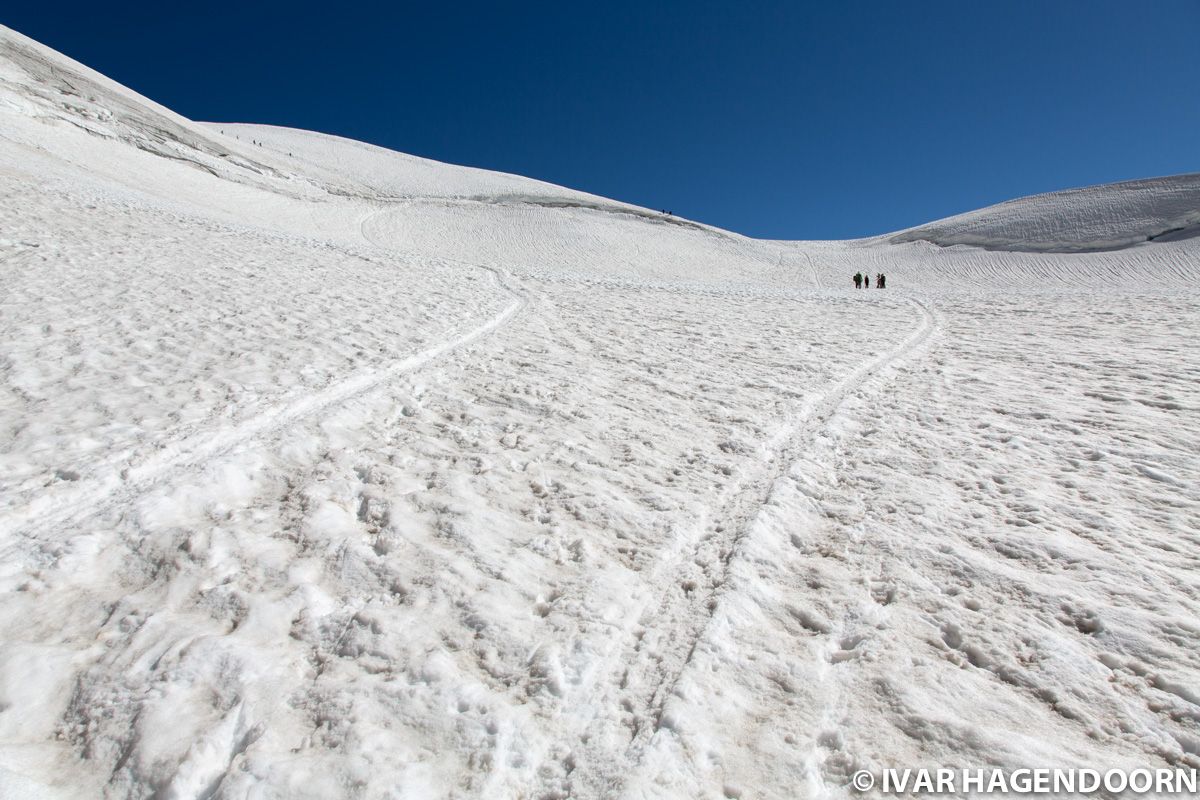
x,y
1064,589
327,471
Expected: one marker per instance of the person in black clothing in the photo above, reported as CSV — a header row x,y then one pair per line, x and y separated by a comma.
x,y
881,281
867,281
858,280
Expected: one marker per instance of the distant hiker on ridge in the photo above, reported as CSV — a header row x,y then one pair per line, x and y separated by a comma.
x,y
867,281
858,280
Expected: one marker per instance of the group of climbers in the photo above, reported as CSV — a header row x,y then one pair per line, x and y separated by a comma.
x,y
864,281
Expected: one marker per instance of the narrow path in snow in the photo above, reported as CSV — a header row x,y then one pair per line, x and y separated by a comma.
x,y
827,683
54,511
654,647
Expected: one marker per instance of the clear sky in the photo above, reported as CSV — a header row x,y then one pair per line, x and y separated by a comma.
x,y
775,119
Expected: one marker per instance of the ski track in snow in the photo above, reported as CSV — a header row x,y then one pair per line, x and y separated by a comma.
x,y
54,511
328,471
687,603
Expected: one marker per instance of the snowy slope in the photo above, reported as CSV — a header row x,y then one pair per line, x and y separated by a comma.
x,y
1105,217
374,173
328,471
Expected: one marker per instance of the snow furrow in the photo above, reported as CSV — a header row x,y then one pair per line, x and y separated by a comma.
x,y
60,509
642,678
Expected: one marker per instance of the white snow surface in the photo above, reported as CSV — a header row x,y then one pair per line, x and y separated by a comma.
x,y
327,471
1107,217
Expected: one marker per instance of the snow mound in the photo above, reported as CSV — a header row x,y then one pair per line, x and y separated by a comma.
x,y
1108,217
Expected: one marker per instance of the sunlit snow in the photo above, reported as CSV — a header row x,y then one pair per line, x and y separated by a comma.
x,y
328,471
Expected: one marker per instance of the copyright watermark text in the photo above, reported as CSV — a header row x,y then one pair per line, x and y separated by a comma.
x,y
1027,781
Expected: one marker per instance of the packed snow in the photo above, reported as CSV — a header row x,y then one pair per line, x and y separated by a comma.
x,y
327,471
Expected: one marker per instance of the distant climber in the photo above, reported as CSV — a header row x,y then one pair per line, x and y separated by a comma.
x,y
867,281
858,280
880,281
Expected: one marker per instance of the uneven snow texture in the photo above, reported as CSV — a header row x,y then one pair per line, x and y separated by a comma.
x,y
332,472
1106,217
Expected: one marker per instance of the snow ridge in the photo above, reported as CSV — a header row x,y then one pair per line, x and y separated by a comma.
x,y
1109,217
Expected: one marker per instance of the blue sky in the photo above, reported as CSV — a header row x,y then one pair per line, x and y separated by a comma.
x,y
777,120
